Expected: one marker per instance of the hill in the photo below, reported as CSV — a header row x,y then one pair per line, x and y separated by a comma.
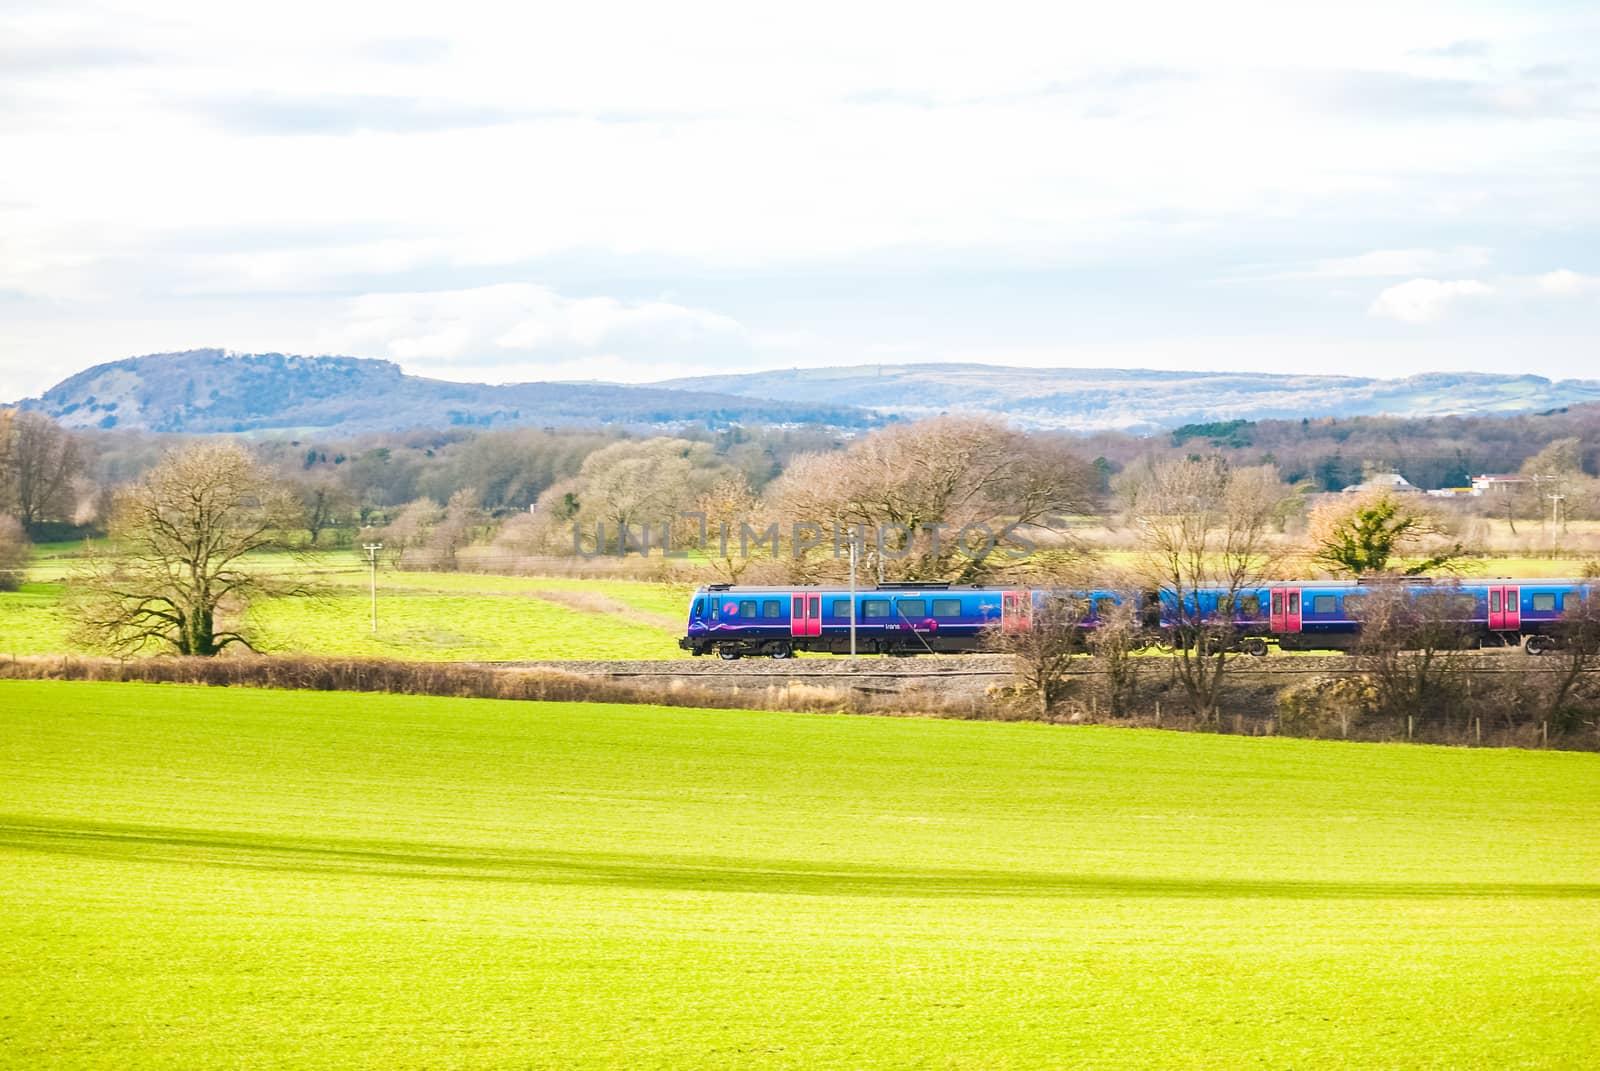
x,y
218,391
1143,400
213,390
228,877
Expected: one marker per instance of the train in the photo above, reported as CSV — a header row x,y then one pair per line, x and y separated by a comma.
x,y
734,621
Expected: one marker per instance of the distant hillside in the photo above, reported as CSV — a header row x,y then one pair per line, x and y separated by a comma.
x,y
1143,400
217,391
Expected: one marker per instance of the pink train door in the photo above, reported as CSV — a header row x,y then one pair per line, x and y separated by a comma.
x,y
805,615
1284,610
1016,611
1505,608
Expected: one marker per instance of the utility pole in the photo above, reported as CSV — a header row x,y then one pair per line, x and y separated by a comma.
x,y
372,560
855,544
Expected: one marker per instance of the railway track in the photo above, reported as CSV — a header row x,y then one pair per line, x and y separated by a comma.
x,y
931,669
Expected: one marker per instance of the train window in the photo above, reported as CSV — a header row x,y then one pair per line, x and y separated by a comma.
x,y
1225,605
1104,605
747,608
1462,606
875,608
841,608
699,608
946,607
1353,603
913,607
1277,602
1436,602
1324,604
1250,605
1494,600
1571,602
1544,601
772,608
1294,602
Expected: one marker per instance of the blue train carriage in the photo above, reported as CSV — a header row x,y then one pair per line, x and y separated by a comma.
x,y
777,622
1326,614
1244,613
896,619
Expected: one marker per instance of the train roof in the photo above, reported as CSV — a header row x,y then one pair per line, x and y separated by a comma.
x,y
1415,581
778,589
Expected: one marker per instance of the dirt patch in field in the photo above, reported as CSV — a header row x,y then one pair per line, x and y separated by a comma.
x,y
596,602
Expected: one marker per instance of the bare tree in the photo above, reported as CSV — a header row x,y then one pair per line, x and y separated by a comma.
x,y
939,495
13,552
628,485
1042,647
1204,528
462,517
182,535
43,463
1575,650
405,539
1557,488
1115,641
1413,648
8,419
325,505
723,508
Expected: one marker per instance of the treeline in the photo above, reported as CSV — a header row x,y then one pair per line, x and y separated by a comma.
x,y
1331,453
58,485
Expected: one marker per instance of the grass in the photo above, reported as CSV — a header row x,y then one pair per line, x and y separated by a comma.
x,y
33,620
225,877
465,627
431,616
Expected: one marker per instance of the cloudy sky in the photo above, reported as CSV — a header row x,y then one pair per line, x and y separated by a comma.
x,y
512,192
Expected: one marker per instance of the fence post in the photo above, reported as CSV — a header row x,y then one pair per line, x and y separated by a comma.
x,y
1544,732
1408,726
1158,713
1477,729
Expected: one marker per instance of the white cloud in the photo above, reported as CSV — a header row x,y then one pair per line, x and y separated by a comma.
x,y
1400,262
524,331
177,176
1565,283
1421,301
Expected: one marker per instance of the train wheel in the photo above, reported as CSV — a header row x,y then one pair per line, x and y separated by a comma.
x,y
728,654
1254,646
781,650
1537,645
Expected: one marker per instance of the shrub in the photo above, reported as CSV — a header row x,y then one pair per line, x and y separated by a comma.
x,y
1323,706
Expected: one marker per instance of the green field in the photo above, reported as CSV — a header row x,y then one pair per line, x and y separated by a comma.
x,y
229,878
428,616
